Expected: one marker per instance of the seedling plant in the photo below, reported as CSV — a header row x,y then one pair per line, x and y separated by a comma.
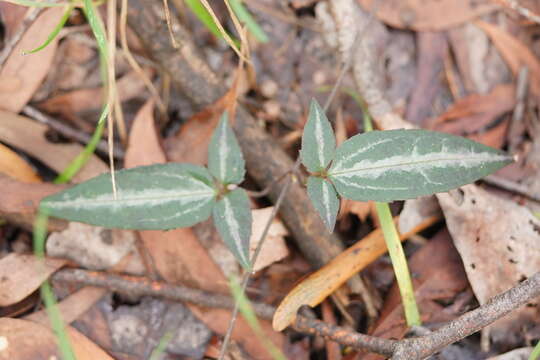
x,y
380,165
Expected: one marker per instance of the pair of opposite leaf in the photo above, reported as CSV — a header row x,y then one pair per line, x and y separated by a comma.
x,y
387,165
379,165
167,196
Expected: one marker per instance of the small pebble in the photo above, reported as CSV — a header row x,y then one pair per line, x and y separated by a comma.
x,y
272,108
269,88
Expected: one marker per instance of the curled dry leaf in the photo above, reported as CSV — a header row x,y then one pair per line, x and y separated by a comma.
x,y
498,242
29,136
21,275
515,53
319,285
424,15
16,167
22,74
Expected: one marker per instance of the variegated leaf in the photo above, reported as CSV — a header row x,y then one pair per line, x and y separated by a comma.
x,y
225,160
404,164
318,140
324,199
232,218
163,196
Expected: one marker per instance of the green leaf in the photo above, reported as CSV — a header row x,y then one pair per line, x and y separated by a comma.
x,y
163,196
404,164
225,160
318,141
245,17
324,198
232,218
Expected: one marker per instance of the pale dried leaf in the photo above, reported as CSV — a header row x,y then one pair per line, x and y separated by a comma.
x,y
22,74
498,242
274,248
21,275
25,134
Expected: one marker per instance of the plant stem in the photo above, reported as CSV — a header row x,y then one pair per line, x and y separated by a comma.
x,y
399,262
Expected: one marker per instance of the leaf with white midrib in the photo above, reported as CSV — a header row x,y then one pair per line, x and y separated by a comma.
x,y
404,164
232,218
225,160
318,141
163,196
325,200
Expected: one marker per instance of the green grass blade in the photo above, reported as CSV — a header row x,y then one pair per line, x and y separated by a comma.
x,y
204,16
99,33
87,152
38,4
535,354
244,16
399,262
161,346
249,314
47,295
55,31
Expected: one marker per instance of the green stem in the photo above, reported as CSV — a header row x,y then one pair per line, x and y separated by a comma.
x,y
535,354
47,294
397,255
399,262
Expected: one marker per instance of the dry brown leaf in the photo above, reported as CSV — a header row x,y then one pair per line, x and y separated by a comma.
x,y
29,136
498,242
180,257
146,152
22,74
362,209
425,15
16,167
128,87
274,248
319,285
515,53
190,144
25,340
473,115
19,201
21,275
72,306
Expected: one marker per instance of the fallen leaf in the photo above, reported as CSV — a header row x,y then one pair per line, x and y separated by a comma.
x,y
274,248
72,306
29,136
23,340
77,101
19,201
22,74
498,242
21,275
16,167
473,116
515,53
425,15
92,247
319,285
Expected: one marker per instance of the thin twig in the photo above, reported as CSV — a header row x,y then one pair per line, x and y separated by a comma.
x,y
29,17
246,276
469,323
521,10
68,131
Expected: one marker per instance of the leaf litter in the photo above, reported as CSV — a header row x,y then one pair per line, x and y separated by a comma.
x,y
461,80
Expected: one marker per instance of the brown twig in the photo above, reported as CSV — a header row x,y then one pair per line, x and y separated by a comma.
x,y
521,10
469,323
413,348
141,286
511,186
